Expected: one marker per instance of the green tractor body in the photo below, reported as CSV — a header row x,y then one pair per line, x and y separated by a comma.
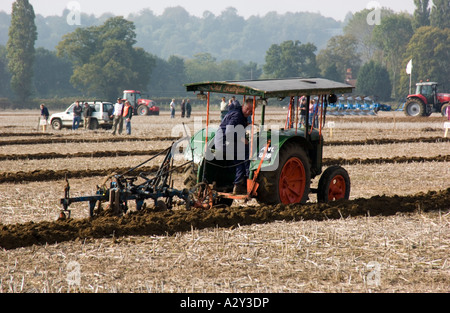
x,y
283,161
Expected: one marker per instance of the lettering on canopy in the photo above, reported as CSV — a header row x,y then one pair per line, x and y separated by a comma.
x,y
231,89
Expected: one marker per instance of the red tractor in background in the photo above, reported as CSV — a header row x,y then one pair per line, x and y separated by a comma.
x,y
141,106
427,100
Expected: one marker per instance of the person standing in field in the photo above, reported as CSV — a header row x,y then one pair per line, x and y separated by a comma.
x,y
188,108
303,108
118,118
127,114
223,108
172,109
77,110
87,113
44,116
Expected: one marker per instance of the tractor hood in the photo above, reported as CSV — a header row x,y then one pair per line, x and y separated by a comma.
x,y
147,102
444,97
196,149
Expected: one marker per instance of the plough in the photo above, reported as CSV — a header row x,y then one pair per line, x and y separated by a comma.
x,y
118,189
356,106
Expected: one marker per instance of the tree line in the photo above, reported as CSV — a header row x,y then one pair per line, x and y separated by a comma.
x,y
103,60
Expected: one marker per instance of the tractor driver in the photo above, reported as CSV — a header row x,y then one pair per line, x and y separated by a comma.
x,y
231,134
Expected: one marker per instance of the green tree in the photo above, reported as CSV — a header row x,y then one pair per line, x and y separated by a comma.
x,y
105,61
5,76
291,59
421,14
52,75
250,71
440,14
359,28
373,80
342,52
202,67
429,49
175,76
392,37
332,73
20,47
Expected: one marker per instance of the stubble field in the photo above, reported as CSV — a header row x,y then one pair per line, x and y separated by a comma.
x,y
392,236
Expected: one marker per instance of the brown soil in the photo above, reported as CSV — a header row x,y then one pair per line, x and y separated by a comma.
x,y
50,175
148,223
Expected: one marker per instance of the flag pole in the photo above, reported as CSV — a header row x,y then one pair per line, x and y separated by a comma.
x,y
409,71
410,82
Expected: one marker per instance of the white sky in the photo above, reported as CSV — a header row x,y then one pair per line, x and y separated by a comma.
x,y
336,9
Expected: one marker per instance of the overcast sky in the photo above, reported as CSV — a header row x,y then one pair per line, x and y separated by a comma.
x,y
336,9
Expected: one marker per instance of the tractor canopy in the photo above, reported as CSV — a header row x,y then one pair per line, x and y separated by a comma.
x,y
274,88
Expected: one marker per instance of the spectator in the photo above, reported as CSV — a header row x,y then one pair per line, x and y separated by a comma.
x,y
172,109
234,104
183,108
223,109
44,116
117,115
87,113
77,110
303,110
127,114
188,109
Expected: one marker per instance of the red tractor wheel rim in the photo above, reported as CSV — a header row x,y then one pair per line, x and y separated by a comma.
x,y
292,182
337,188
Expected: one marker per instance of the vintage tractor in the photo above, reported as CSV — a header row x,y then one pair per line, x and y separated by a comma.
x,y
140,105
426,101
283,161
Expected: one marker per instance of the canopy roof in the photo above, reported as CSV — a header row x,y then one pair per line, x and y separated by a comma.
x,y
274,88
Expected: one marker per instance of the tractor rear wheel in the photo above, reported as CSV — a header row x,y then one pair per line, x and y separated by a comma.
x,y
290,182
444,109
334,185
414,108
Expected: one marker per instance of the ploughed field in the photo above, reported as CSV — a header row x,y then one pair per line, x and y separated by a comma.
x,y
397,218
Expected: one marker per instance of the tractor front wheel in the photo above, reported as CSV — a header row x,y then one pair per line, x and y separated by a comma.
x,y
290,182
334,185
142,110
414,108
